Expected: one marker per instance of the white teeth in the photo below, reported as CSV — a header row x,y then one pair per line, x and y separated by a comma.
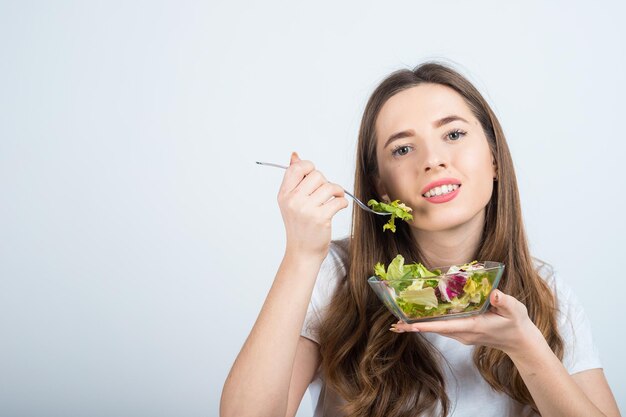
x,y
444,189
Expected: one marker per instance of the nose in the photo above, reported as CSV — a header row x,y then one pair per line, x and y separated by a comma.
x,y
434,165
435,159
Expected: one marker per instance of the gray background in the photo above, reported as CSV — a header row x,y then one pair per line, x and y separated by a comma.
x,y
138,237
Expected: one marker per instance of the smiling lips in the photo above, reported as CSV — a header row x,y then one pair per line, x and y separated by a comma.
x,y
442,190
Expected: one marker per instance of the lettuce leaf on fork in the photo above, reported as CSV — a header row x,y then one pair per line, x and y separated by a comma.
x,y
397,209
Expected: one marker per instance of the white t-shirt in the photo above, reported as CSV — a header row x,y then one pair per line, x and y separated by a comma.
x,y
468,392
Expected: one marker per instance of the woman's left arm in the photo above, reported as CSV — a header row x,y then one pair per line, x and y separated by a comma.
x,y
555,391
506,326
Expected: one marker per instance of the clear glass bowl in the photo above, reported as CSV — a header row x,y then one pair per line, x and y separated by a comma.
x,y
446,296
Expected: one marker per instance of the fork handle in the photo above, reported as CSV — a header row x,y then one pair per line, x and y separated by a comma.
x,y
271,164
356,200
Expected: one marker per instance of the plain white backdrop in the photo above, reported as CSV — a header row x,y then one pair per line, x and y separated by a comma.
x,y
138,238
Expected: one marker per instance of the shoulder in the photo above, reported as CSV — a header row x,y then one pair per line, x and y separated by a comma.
x,y
543,268
580,352
565,298
563,294
340,248
336,261
333,268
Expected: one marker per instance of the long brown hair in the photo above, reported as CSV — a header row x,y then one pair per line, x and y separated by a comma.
x,y
380,373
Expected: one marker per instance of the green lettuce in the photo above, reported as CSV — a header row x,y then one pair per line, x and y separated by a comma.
x,y
418,289
397,210
420,271
425,297
398,270
379,270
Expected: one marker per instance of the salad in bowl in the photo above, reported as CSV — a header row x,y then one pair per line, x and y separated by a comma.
x,y
413,293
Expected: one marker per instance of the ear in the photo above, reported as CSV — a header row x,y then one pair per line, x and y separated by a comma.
x,y
494,168
380,189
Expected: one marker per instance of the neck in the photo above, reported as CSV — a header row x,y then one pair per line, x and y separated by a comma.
x,y
453,246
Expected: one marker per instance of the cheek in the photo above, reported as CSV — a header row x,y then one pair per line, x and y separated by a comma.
x,y
481,180
477,169
484,192
396,181
475,162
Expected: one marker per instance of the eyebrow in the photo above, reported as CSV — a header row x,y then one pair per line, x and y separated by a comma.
x,y
436,124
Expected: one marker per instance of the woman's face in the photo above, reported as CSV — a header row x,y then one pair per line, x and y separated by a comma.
x,y
426,134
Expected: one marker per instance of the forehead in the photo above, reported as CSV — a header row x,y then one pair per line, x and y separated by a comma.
x,y
417,107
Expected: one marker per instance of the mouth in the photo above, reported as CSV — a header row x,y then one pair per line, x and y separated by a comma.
x,y
441,190
442,194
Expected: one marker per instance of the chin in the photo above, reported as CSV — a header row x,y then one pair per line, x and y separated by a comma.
x,y
441,223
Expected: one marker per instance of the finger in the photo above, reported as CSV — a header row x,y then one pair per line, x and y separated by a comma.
x,y
325,192
314,180
399,327
295,173
402,327
294,158
330,208
463,337
501,303
445,327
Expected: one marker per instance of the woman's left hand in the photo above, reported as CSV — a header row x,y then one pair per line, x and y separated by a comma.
x,y
506,326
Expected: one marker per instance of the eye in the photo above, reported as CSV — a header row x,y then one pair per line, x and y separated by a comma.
x,y
456,134
400,150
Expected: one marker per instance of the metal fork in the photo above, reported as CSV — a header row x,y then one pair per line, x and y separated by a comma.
x,y
356,200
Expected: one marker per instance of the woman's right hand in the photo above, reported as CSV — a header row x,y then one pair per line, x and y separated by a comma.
x,y
307,206
276,364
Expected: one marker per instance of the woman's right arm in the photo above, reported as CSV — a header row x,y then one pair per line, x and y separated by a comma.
x,y
275,364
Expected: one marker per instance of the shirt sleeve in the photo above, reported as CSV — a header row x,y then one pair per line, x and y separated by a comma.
x,y
580,352
331,272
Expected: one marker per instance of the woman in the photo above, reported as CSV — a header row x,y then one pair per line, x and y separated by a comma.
x,y
423,132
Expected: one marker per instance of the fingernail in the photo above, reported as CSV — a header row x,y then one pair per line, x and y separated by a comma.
x,y
497,296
